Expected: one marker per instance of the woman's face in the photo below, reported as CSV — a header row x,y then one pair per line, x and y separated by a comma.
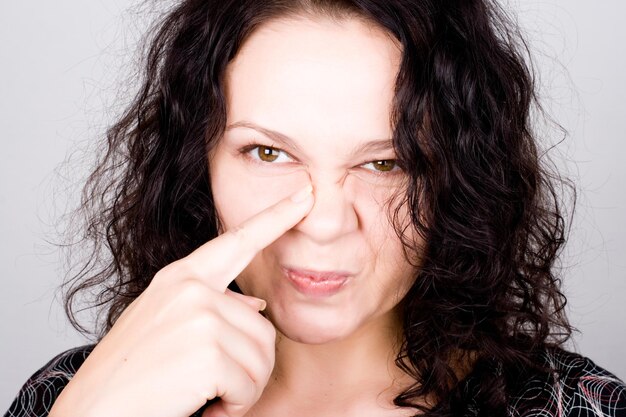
x,y
311,101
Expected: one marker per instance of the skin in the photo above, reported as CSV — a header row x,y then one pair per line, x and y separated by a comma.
x,y
328,86
187,338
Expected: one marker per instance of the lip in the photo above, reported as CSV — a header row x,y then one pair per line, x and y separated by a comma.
x,y
316,283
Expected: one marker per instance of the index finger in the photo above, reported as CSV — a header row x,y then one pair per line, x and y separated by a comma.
x,y
220,260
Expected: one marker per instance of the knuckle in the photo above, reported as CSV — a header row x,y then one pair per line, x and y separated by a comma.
x,y
264,371
190,289
270,330
211,363
208,324
269,340
271,359
190,286
259,361
214,356
240,410
268,373
175,270
164,273
258,392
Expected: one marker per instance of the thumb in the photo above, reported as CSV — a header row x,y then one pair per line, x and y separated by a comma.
x,y
219,409
215,410
256,303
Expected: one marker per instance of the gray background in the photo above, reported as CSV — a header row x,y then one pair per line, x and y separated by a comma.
x,y
61,64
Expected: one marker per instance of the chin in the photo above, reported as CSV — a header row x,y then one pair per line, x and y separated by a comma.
x,y
310,328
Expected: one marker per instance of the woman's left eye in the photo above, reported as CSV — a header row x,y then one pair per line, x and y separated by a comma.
x,y
383,166
269,154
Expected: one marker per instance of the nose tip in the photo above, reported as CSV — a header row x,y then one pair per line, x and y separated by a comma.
x,y
332,214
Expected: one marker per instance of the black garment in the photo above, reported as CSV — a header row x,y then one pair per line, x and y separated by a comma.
x,y
582,389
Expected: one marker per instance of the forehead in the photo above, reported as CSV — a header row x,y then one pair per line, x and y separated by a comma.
x,y
315,79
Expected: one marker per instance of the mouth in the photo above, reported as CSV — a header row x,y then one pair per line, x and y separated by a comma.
x,y
316,283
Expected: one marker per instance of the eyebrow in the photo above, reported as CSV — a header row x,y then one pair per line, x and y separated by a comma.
x,y
377,145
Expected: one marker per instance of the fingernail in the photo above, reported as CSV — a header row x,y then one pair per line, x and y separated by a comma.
x,y
262,305
302,195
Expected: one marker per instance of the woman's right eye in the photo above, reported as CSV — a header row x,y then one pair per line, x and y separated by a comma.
x,y
261,153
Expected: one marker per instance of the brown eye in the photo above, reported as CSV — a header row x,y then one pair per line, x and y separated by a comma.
x,y
267,154
385,165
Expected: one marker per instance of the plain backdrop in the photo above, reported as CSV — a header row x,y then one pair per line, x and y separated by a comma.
x,y
61,67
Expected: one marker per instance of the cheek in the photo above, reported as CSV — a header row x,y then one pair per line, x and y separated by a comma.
x,y
396,273
239,194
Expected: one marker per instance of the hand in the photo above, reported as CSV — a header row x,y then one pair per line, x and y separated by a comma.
x,y
187,338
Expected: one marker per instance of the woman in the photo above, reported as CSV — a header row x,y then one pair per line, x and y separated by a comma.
x,y
364,175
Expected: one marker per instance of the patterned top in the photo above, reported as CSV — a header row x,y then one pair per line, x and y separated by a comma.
x,y
582,388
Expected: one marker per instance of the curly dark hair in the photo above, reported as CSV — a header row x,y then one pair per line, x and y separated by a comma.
x,y
481,192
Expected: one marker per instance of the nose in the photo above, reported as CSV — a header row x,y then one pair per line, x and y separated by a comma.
x,y
333,214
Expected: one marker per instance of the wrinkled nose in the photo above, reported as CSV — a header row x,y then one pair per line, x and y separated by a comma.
x,y
333,214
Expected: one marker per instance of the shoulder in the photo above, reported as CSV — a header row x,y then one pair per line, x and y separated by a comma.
x,y
577,387
41,389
